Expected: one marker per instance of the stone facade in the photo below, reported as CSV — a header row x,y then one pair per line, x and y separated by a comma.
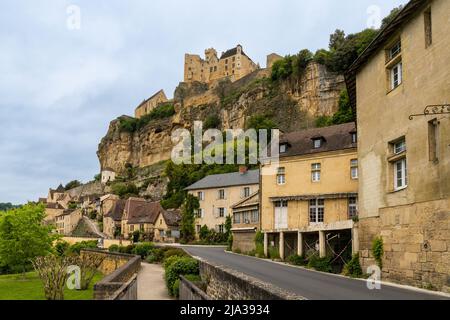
x,y
67,221
405,163
150,104
233,64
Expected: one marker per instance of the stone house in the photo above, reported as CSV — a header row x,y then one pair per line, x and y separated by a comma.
x,y
400,87
233,64
108,175
246,221
308,204
150,104
140,215
218,193
112,218
51,211
167,226
67,221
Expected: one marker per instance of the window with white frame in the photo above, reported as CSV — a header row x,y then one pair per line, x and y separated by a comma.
x,y
221,228
317,143
316,210
246,192
255,216
396,75
400,146
200,213
221,194
400,174
283,148
221,212
316,172
352,207
354,169
281,176
201,196
395,50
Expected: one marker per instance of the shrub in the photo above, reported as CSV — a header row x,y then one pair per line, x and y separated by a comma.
x,y
169,261
181,266
124,190
237,250
126,249
174,252
259,243
61,248
77,247
176,288
204,232
297,260
320,264
143,249
211,122
353,267
157,254
274,253
378,251
114,248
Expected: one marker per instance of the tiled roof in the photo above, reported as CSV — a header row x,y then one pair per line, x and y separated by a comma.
x,y
172,217
116,212
142,212
334,138
226,180
54,206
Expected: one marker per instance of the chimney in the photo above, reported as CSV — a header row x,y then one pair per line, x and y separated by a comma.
x,y
243,170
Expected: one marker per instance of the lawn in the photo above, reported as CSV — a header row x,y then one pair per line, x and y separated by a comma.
x,y
15,287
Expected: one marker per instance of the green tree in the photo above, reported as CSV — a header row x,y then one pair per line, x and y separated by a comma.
x,y
337,39
72,184
24,236
187,228
388,19
211,122
228,226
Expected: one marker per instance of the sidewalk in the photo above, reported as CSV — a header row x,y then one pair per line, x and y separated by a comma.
x,y
151,284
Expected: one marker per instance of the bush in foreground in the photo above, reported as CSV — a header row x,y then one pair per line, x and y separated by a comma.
x,y
180,266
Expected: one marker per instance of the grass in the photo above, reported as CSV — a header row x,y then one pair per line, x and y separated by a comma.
x,y
30,287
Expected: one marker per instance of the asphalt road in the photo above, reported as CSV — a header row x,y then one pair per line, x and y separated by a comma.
x,y
309,284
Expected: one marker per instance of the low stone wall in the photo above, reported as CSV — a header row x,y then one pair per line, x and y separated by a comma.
x,y
189,291
106,242
120,281
226,284
416,241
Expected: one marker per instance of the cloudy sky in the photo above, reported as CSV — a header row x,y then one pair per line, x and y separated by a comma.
x,y
60,85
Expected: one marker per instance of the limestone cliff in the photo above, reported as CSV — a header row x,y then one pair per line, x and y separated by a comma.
x,y
292,105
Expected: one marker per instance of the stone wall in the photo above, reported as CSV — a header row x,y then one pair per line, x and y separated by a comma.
x,y
106,242
120,270
416,241
226,284
244,241
189,291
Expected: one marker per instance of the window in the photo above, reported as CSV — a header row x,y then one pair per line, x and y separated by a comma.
x,y
400,174
316,210
317,143
221,212
354,169
315,172
396,75
245,217
428,28
131,228
400,146
221,228
283,148
352,207
198,228
395,50
201,196
237,218
354,137
246,192
255,216
211,69
221,194
281,176
200,213
433,133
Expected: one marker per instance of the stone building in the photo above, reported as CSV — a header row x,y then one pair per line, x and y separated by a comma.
x,y
272,58
218,193
308,205
108,175
150,104
140,215
233,64
404,150
246,221
167,226
67,221
112,218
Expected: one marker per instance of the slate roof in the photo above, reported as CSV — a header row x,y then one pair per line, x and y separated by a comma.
x,y
60,189
334,138
142,212
172,217
230,53
116,211
226,180
54,206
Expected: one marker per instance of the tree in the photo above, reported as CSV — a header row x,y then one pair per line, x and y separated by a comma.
x,y
23,237
72,184
388,19
337,39
187,228
204,232
211,122
98,177
228,226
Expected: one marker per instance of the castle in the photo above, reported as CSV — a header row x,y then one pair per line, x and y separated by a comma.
x,y
233,64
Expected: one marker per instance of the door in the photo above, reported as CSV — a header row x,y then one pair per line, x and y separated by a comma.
x,y
281,215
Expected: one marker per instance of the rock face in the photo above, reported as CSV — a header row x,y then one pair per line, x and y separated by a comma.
x,y
292,105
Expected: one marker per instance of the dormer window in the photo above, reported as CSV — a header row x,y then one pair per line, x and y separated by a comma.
x,y
317,143
283,148
354,137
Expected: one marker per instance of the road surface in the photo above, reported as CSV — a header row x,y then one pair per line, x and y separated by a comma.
x,y
309,284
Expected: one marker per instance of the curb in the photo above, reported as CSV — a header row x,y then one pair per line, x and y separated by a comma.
x,y
383,283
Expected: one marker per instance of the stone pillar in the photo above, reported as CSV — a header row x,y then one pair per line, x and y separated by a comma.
x,y
282,245
355,240
322,244
266,244
300,244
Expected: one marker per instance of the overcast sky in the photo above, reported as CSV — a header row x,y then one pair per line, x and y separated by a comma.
x,y
60,86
